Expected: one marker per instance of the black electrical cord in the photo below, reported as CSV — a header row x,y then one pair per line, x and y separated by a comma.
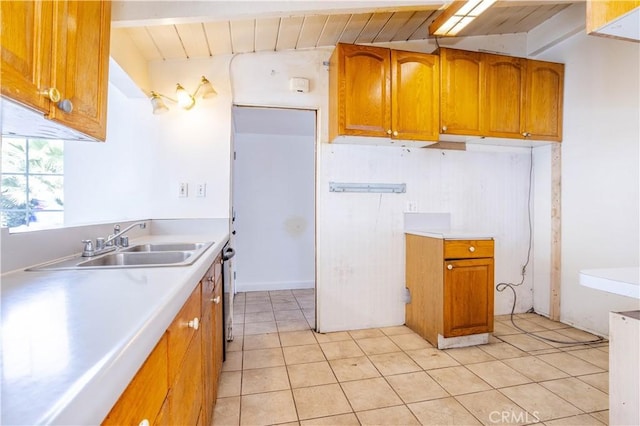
x,y
503,286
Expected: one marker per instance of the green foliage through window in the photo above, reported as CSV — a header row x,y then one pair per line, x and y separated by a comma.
x,y
32,182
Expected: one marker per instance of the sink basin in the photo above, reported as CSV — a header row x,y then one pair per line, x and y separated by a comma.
x,y
139,259
151,255
161,247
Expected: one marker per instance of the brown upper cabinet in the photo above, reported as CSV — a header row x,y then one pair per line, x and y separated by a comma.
x,y
379,92
55,59
483,94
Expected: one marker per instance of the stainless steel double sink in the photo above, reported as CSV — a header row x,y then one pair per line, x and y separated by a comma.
x,y
149,255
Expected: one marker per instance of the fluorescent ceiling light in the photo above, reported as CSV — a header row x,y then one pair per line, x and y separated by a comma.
x,y
457,16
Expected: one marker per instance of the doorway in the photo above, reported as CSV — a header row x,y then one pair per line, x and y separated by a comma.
x,y
273,214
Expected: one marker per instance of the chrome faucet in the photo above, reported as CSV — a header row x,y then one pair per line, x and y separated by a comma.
x,y
112,242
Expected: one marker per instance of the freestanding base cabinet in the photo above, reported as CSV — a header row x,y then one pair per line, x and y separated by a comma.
x,y
624,370
451,289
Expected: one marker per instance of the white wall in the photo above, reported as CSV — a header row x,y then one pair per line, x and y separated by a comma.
x,y
110,181
192,146
600,178
274,206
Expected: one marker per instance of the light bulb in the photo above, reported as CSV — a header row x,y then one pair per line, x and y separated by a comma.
x,y
185,100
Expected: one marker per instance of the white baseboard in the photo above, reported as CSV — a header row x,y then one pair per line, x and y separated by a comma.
x,y
272,286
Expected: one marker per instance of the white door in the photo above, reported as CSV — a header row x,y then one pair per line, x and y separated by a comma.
x,y
274,198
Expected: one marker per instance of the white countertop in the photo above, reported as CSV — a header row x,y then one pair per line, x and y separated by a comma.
x,y
621,281
450,234
72,340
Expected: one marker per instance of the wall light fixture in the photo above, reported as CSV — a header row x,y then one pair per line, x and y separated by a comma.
x,y
457,16
184,99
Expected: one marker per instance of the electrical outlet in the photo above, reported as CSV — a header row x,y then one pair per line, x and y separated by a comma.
x,y
201,190
183,189
412,207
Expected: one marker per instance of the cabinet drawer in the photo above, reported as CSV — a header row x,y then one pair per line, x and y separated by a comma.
x,y
468,249
144,396
180,332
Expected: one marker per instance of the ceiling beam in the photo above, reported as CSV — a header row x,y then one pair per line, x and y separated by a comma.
x,y
126,13
558,28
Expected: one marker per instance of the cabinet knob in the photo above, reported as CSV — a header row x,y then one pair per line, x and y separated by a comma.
x,y
395,133
144,422
526,134
194,323
389,132
52,94
65,105
216,300
210,279
472,249
444,129
449,266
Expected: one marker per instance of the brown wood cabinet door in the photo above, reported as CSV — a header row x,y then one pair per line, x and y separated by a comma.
x,y
208,374
503,96
81,64
462,76
181,332
144,397
468,297
544,97
415,101
218,329
25,34
364,91
185,398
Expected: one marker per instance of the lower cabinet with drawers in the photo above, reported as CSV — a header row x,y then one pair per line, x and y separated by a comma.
x,y
451,289
177,383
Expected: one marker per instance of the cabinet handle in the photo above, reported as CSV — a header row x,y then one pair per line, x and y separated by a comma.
x,y
194,323
52,94
210,279
526,134
389,132
65,105
444,129
216,300
395,133
144,422
449,266
472,249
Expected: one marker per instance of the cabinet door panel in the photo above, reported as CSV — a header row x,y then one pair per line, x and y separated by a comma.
x,y
415,96
210,378
146,393
82,64
186,393
544,95
504,96
468,296
365,91
180,333
462,79
25,29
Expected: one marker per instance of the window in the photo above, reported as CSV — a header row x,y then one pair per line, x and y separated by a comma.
x,y
32,183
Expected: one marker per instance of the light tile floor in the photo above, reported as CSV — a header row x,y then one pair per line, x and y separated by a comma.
x,y
279,371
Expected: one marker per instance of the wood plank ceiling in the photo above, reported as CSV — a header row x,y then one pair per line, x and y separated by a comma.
x,y
204,39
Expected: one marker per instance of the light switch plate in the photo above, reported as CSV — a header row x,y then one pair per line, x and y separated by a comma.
x,y
201,190
183,189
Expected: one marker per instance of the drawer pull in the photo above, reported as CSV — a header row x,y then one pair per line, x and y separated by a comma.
x,y
144,422
216,300
449,266
194,323
472,249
